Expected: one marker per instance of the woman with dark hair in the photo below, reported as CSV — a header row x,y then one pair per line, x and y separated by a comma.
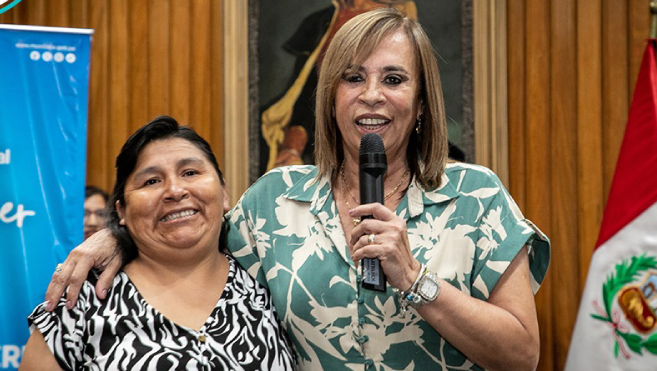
x,y
179,302
95,211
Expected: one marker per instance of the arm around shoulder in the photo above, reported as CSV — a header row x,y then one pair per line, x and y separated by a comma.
x,y
98,251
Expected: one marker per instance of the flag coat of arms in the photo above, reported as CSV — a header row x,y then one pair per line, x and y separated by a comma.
x,y
616,326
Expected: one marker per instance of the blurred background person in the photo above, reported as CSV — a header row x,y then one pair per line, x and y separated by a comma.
x,y
95,210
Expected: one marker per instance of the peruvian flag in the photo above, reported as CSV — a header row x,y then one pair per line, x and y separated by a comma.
x,y
616,325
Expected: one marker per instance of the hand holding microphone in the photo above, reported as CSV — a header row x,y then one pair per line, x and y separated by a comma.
x,y
371,170
385,232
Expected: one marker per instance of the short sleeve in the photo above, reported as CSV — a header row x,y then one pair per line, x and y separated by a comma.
x,y
539,255
502,232
62,330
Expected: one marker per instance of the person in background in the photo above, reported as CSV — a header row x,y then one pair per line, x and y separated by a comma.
x,y
179,302
95,210
462,263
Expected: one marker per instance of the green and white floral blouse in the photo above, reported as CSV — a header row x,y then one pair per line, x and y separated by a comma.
x,y
467,231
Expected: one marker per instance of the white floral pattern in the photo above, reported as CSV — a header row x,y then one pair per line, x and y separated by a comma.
x,y
288,235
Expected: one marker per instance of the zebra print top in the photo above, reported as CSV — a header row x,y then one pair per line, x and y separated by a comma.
x,y
123,332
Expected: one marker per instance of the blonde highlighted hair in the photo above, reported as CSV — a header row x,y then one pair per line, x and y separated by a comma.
x,y
353,42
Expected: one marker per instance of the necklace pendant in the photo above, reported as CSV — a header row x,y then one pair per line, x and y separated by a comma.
x,y
356,221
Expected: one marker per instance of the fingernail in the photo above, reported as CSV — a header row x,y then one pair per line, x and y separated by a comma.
x,y
69,304
48,305
351,211
104,292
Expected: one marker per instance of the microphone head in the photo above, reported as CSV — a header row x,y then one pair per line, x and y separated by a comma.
x,y
371,143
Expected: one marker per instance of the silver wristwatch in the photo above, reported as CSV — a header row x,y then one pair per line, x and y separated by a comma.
x,y
426,291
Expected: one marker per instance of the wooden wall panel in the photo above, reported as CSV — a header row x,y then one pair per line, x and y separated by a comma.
x,y
100,149
516,88
118,126
490,91
236,101
572,70
589,128
36,12
79,14
615,79
149,58
200,103
537,121
639,30
563,175
217,93
57,12
159,70
139,62
180,66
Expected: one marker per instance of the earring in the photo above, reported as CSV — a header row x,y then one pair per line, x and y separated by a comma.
x,y
418,126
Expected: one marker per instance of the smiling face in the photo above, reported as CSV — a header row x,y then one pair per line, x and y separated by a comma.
x,y
173,198
380,96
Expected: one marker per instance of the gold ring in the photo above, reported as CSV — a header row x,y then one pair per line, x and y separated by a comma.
x,y
370,239
59,268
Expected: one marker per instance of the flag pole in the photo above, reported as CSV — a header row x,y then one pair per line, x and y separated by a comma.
x,y
653,26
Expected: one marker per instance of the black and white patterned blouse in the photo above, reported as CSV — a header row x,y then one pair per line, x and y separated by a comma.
x,y
123,332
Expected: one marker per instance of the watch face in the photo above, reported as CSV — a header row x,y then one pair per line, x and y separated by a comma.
x,y
428,288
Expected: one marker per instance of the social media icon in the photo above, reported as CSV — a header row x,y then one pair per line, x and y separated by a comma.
x,y
47,56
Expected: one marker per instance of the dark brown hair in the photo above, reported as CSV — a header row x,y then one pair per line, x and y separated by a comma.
x,y
161,128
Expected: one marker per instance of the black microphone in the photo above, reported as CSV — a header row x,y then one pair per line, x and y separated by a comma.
x,y
372,167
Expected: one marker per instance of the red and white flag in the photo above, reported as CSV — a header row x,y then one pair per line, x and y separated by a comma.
x,y
616,325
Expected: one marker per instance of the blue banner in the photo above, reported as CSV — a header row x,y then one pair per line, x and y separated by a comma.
x,y
44,84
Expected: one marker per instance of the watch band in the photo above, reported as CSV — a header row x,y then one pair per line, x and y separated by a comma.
x,y
425,289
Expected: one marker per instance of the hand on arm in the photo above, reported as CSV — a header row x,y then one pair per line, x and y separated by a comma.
x,y
98,251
